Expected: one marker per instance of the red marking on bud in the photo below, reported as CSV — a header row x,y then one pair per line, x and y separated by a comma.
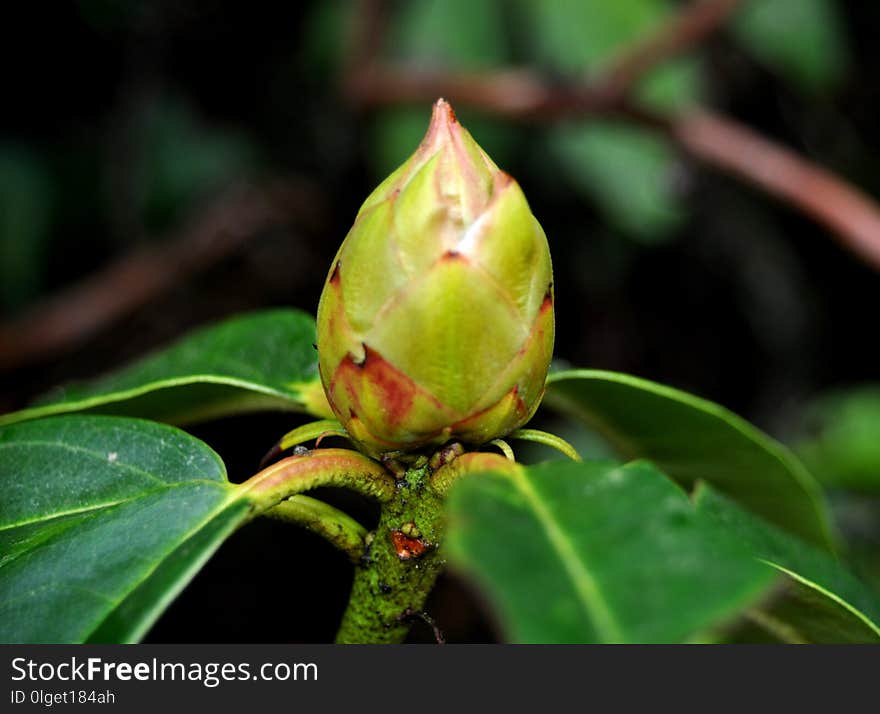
x,y
392,389
334,276
502,180
396,389
408,548
441,105
521,407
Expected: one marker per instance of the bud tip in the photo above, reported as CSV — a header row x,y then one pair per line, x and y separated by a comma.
x,y
442,128
443,113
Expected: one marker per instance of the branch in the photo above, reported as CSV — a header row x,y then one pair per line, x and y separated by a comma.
x,y
337,527
851,215
513,93
74,314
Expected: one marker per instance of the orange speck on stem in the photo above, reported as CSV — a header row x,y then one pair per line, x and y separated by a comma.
x,y
408,548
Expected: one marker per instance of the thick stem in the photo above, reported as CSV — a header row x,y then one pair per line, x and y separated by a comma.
x,y
400,565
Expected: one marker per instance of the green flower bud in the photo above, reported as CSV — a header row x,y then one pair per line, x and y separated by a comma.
x,y
436,320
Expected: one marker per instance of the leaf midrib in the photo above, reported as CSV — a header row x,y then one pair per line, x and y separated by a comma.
x,y
231,499
110,504
584,584
111,397
228,502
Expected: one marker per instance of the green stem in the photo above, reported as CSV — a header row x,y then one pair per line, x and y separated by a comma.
x,y
319,467
551,440
401,564
312,430
504,447
473,462
337,527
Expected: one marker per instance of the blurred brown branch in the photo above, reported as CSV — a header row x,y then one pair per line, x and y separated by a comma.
x,y
223,227
717,141
851,215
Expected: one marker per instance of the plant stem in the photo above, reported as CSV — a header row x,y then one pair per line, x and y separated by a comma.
x,y
400,565
337,527
551,440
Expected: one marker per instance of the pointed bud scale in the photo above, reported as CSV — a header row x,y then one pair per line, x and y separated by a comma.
x,y
436,320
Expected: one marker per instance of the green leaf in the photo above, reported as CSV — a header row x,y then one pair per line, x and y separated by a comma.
x,y
460,34
821,600
103,521
627,170
597,552
578,36
692,439
843,448
264,360
802,40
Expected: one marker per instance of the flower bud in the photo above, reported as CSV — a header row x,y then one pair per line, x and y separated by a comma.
x,y
436,319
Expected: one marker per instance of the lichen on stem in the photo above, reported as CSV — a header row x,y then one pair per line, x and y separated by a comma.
x,y
400,564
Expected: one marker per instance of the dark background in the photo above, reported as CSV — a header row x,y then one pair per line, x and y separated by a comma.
x,y
123,122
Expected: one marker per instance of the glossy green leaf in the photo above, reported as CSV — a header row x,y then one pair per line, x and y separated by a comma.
x,y
842,440
264,360
103,520
692,439
821,601
597,552
802,40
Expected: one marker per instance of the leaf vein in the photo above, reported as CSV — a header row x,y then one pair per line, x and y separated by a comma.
x,y
585,585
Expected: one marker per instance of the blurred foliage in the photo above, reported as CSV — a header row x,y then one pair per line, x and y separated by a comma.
x,y
803,40
435,34
627,170
449,33
840,443
25,220
184,161
631,174
842,446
